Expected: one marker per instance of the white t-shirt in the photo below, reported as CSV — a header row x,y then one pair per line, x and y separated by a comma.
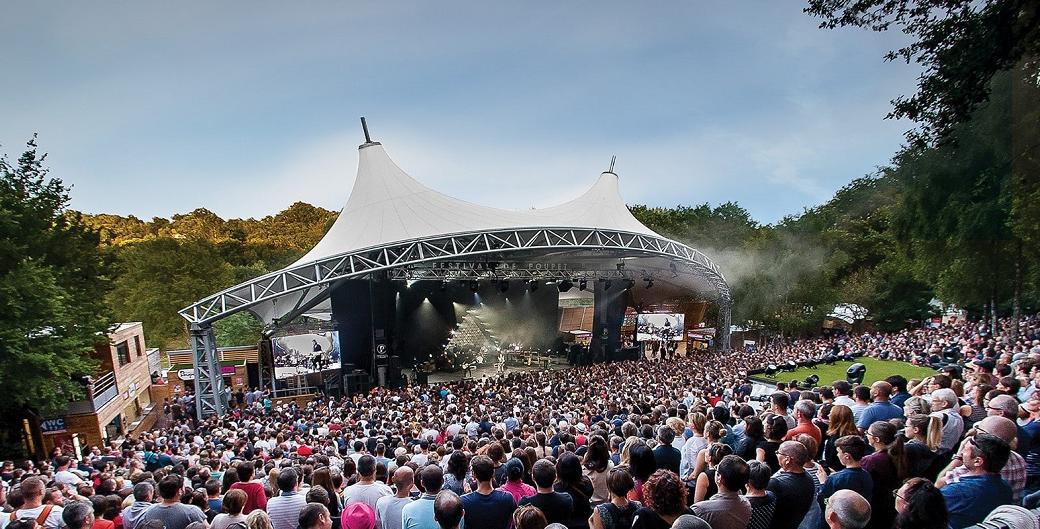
x,y
66,477
53,520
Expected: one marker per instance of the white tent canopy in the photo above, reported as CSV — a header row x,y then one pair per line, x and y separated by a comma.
x,y
387,205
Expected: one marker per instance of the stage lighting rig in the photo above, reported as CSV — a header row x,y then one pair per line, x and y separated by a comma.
x,y
811,381
855,373
583,284
772,370
564,285
532,285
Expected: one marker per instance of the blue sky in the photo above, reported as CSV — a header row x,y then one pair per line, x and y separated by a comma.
x,y
151,108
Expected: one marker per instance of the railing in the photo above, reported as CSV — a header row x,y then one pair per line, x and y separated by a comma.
x,y
104,390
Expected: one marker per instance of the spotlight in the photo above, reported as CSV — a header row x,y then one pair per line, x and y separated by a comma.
x,y
629,284
649,282
855,373
772,370
582,284
532,285
565,285
474,286
789,366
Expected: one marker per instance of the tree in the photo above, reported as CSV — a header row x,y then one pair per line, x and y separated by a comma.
x,y
238,329
159,277
53,280
961,45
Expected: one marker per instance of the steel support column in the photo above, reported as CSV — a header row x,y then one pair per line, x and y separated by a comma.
x,y
725,319
210,398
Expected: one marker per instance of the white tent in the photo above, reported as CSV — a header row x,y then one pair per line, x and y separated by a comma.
x,y
387,205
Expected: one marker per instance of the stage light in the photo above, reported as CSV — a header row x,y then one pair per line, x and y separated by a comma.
x,y
649,282
855,373
606,285
503,285
474,286
532,285
565,285
582,284
772,370
443,286
629,284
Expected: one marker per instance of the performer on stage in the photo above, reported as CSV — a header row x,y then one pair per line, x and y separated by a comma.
x,y
501,368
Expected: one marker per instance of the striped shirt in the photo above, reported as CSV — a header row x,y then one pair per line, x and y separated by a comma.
x,y
284,510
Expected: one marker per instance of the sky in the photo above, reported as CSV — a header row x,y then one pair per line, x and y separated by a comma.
x,y
243,108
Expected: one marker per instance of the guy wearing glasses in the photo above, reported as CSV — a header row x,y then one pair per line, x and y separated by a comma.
x,y
792,487
981,489
1007,406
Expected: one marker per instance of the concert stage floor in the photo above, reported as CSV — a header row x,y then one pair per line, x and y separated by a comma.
x,y
488,371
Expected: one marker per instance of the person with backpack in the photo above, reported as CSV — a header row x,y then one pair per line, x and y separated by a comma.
x,y
234,502
619,512
47,516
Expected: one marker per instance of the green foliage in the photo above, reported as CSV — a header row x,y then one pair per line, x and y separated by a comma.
x,y
961,45
238,329
167,264
156,278
53,278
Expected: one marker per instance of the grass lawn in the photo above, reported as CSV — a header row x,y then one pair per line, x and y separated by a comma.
x,y
876,370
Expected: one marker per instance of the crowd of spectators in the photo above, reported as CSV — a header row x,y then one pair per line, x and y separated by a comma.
x,y
635,444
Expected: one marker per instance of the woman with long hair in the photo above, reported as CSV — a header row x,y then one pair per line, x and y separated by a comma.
x,y
888,468
569,479
641,465
754,433
840,423
619,511
923,436
919,505
706,486
714,431
455,474
776,429
596,466
322,477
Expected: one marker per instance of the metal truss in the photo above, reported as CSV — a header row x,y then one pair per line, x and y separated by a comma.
x,y
210,397
320,274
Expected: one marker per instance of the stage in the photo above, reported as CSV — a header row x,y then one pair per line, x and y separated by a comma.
x,y
407,275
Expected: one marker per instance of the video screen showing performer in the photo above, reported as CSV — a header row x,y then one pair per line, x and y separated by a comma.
x,y
301,354
660,327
